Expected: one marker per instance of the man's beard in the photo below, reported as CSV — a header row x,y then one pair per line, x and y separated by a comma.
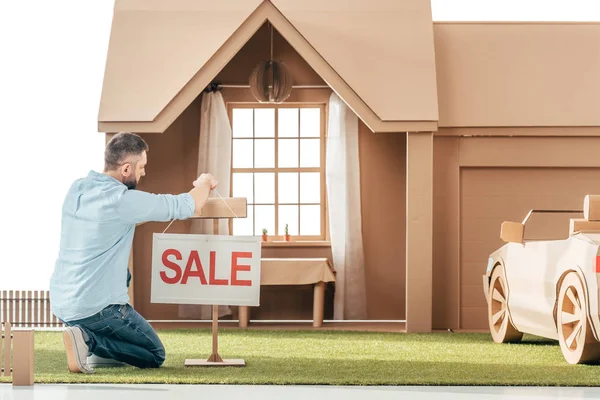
x,y
131,184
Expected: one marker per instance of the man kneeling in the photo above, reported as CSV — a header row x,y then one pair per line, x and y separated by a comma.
x,y
88,288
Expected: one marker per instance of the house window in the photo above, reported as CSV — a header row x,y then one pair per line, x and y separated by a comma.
x,y
278,164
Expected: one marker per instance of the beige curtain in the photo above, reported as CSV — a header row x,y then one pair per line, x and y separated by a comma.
x,y
214,156
343,197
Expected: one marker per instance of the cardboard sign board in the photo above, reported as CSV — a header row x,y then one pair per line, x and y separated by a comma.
x,y
205,269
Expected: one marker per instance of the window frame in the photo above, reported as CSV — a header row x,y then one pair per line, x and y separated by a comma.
x,y
324,237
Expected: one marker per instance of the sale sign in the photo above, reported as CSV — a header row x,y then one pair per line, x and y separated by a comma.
x,y
205,269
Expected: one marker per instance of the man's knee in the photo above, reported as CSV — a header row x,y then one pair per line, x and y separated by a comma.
x,y
159,357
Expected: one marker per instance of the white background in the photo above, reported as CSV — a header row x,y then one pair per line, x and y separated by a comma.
x,y
52,57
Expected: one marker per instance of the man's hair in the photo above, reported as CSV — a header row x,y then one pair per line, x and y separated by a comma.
x,y
120,146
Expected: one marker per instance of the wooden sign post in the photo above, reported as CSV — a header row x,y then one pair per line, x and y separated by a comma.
x,y
208,269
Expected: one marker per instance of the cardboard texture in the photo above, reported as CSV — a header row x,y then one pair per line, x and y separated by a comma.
x,y
446,222
583,225
403,28
125,105
23,358
296,271
16,354
494,159
419,232
140,81
231,207
516,285
491,195
591,207
467,54
5,349
512,232
381,157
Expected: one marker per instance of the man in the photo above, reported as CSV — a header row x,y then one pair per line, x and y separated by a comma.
x,y
88,288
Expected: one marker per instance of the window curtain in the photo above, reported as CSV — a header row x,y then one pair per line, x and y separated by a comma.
x,y
214,157
344,209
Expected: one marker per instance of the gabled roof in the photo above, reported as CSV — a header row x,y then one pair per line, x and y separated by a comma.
x,y
376,54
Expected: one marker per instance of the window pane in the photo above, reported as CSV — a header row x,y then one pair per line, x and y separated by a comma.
x,y
288,187
242,153
310,187
242,122
243,226
310,122
288,153
264,153
288,215
288,122
264,187
264,122
310,155
310,220
265,218
241,185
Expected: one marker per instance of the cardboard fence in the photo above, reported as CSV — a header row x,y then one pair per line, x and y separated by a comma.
x,y
208,269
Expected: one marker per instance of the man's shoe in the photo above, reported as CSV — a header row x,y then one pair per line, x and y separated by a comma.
x,y
95,361
77,350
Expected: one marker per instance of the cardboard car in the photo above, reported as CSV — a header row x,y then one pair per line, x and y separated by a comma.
x,y
548,288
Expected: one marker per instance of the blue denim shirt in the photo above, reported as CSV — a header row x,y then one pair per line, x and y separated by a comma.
x,y
99,215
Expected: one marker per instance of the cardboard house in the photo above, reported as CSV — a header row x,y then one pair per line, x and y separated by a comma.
x,y
461,127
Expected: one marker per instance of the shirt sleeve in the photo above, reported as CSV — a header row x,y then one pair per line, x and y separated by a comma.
x,y
136,206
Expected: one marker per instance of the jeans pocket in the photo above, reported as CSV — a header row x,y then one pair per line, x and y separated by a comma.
x,y
108,331
123,310
105,331
98,326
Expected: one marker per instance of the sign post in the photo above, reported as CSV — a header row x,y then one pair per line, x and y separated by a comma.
x,y
208,269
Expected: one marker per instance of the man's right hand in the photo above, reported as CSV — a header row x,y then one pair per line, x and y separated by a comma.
x,y
206,179
202,187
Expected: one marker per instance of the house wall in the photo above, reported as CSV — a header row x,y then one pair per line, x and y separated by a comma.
x,y
519,129
518,74
479,182
382,164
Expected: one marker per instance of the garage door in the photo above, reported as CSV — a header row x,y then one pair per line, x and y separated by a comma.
x,y
490,196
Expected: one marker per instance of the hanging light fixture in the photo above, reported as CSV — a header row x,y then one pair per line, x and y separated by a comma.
x,y
270,81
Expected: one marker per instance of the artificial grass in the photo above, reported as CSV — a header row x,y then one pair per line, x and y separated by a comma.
x,y
336,358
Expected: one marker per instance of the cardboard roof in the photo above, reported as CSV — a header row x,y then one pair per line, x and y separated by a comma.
x,y
377,55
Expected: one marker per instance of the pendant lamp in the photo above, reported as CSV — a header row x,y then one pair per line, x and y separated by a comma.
x,y
270,81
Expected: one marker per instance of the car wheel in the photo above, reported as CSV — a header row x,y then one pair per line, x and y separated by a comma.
x,y
501,327
577,342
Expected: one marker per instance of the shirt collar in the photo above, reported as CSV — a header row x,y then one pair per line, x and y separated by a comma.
x,y
97,176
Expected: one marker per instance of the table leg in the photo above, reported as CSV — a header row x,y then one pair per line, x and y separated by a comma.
x,y
244,316
318,304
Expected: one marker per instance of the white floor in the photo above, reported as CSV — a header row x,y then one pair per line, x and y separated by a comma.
x,y
184,392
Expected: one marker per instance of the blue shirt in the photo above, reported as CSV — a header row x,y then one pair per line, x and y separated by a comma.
x,y
99,215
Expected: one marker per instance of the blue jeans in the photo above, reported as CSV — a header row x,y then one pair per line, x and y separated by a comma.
x,y
120,333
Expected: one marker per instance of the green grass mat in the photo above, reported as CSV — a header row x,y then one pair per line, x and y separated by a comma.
x,y
336,358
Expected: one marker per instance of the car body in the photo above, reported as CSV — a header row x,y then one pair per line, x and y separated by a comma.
x,y
547,288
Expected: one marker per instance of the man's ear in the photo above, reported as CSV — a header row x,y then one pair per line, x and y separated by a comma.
x,y
126,169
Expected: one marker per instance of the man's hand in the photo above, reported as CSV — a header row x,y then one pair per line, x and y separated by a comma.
x,y
202,187
202,179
